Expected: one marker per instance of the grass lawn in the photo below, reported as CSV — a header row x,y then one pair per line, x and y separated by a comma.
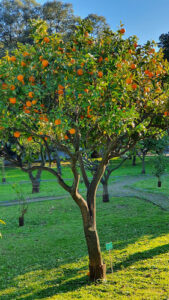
x,y
150,185
47,258
51,187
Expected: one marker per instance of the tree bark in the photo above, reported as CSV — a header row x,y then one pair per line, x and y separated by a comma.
x,y
35,181
35,186
21,221
96,267
105,191
143,165
134,160
159,183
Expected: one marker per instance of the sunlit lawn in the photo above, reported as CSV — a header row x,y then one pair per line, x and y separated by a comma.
x,y
47,258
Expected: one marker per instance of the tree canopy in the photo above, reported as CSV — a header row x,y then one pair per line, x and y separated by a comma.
x,y
88,93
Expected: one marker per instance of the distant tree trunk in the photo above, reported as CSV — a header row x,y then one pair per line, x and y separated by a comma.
x,y
159,182
35,181
143,165
134,160
105,190
21,221
3,171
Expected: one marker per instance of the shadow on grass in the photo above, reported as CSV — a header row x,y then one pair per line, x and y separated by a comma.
x,y
56,289
61,285
131,259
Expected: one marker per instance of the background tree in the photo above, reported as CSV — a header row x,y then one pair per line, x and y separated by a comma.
x,y
79,96
159,166
98,23
92,166
164,44
14,23
151,144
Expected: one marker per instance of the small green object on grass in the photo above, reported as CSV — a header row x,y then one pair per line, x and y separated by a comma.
x,y
109,246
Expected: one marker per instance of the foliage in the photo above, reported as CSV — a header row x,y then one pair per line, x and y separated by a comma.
x,y
83,95
23,202
159,165
164,44
48,83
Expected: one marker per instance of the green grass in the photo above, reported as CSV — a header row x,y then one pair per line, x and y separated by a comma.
x,y
47,258
51,188
150,185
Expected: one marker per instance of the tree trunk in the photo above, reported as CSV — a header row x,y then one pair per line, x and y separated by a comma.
x,y
35,181
3,171
159,183
105,191
97,268
134,160
21,221
35,186
143,165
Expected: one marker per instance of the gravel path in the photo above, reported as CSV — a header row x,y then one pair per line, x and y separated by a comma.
x,y
119,188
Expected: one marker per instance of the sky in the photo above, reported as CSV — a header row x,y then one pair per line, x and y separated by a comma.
x,y
147,19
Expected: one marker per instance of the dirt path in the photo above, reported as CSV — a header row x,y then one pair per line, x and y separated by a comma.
x,y
119,188
123,189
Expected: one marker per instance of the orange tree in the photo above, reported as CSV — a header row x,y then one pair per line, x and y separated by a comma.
x,y
83,95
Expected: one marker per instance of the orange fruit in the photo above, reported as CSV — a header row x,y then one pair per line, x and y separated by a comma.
x,y
4,86
57,122
60,87
133,66
28,103
27,111
20,77
80,72
25,54
100,74
12,87
129,80
12,58
60,92
45,63
23,64
150,74
122,30
66,137
100,59
72,131
30,94
29,138
46,39
72,60
147,89
86,34
118,65
16,134
134,86
12,100
86,90
31,79
34,102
